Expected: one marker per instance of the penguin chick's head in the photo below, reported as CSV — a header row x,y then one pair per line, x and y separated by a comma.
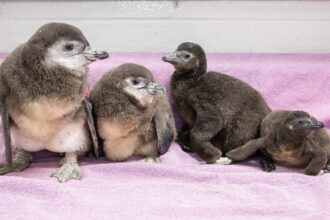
x,y
60,44
188,57
137,82
300,124
142,89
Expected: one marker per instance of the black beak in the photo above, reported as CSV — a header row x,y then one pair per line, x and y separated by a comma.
x,y
92,54
101,55
314,125
154,88
171,58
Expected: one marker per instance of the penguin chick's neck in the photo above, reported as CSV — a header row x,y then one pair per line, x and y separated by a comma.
x,y
184,81
141,98
78,71
193,74
291,137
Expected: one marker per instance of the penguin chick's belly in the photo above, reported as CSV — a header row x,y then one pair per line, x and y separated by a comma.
x,y
20,140
72,137
41,126
121,141
289,158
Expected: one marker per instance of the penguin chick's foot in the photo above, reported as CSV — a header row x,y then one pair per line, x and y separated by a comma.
x,y
150,160
267,165
21,161
326,168
220,161
69,169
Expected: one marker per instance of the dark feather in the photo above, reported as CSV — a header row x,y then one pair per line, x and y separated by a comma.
x,y
91,125
6,133
164,139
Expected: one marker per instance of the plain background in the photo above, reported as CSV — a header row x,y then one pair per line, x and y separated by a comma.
x,y
150,26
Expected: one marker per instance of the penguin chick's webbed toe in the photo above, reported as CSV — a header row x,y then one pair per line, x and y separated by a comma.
x,y
327,168
220,161
69,169
183,139
150,160
224,161
267,164
22,161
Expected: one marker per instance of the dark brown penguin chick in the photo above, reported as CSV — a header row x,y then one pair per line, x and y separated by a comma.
x,y
43,82
133,114
290,138
221,112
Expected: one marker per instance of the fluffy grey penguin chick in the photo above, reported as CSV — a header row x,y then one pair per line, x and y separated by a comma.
x,y
42,85
133,114
290,138
220,111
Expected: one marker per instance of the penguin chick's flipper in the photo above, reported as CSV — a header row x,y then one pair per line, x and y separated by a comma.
x,y
164,140
91,125
164,133
21,161
183,139
69,169
266,163
150,160
6,133
208,123
243,152
318,161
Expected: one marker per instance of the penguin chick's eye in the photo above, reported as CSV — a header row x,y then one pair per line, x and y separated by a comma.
x,y
135,82
68,47
187,56
300,122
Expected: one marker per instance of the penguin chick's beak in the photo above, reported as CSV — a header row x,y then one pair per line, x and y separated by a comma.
x,y
314,125
154,88
92,54
172,58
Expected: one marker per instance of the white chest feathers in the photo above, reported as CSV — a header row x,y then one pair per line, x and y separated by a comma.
x,y
45,124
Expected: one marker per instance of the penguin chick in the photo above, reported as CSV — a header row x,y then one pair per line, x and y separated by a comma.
x,y
290,138
133,114
221,112
42,84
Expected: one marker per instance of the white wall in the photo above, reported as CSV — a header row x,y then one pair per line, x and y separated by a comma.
x,y
219,26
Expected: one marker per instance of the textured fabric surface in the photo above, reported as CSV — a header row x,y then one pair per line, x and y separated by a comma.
x,y
179,187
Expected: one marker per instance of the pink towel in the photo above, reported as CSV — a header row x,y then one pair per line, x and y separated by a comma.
x,y
180,188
